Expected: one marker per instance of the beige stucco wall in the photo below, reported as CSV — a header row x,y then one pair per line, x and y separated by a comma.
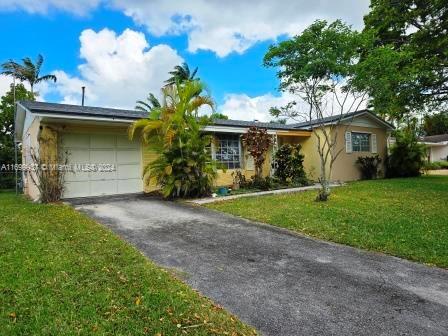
x,y
345,168
30,143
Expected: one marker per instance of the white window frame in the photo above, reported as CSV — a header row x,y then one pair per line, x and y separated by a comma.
x,y
215,147
369,134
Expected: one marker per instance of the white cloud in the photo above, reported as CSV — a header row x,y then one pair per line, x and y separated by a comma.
x,y
234,25
78,7
5,84
118,69
220,26
243,107
6,81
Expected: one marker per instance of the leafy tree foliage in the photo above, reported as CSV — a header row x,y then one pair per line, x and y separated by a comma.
x,y
369,166
436,124
407,155
184,167
28,71
7,127
257,140
405,66
217,115
289,164
278,121
318,67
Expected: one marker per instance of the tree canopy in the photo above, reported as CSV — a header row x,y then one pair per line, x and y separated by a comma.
x,y
218,115
435,124
28,71
318,66
7,127
404,68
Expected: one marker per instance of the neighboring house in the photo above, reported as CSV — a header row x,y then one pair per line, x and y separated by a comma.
x,y
437,147
89,136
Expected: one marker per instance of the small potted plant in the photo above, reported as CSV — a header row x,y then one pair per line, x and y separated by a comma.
x,y
238,179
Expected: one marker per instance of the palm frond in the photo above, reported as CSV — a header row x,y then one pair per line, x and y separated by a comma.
x,y
153,101
193,74
136,125
200,101
29,66
38,64
142,106
12,68
46,78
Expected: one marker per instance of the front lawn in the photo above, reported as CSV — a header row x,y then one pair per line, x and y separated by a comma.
x,y
63,274
402,217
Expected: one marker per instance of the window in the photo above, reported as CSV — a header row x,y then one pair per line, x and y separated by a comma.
x,y
227,150
360,142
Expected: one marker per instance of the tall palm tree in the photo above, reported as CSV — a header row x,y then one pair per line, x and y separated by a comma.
x,y
181,73
180,103
174,130
27,71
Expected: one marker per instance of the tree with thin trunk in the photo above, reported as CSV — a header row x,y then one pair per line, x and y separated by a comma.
x,y
317,67
28,71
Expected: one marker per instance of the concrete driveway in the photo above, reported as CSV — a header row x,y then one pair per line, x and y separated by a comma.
x,y
279,282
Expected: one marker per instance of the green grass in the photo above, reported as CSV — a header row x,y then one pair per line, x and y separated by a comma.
x,y
63,274
402,217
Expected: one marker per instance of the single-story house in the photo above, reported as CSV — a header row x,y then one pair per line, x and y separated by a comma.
x,y
93,136
437,147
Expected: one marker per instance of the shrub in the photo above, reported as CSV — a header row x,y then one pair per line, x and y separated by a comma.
x,y
263,183
238,179
289,165
48,177
369,166
407,156
258,142
7,180
435,165
185,168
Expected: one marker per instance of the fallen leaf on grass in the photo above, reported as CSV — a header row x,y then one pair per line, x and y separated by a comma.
x,y
13,317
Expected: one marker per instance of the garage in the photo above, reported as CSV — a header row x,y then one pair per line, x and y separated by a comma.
x,y
103,164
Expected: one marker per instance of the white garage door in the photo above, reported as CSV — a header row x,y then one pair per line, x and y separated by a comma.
x,y
95,150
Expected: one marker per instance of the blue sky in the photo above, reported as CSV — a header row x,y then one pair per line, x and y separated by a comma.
x,y
121,49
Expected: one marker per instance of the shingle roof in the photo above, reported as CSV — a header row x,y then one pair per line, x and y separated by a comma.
x,y
436,138
42,107
78,110
335,118
243,123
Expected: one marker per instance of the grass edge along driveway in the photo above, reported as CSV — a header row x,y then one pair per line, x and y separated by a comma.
x,y
407,218
64,274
